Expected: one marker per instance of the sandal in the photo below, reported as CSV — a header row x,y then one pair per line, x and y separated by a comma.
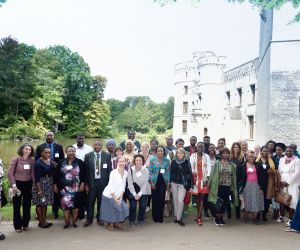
x,y
2,236
199,222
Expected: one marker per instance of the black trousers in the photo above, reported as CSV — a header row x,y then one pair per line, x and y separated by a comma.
x,y
94,194
23,200
82,204
158,200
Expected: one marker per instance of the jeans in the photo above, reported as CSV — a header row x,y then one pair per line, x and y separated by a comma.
x,y
142,208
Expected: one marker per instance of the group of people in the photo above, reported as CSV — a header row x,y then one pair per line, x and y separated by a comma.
x,y
213,178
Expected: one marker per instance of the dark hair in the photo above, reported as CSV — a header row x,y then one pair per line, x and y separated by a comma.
x,y
161,146
206,136
80,135
20,150
261,149
70,146
193,137
154,140
137,156
200,142
291,147
179,140
131,131
224,150
240,155
116,149
45,147
222,139
271,141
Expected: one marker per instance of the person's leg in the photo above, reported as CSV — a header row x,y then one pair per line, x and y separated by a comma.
x,y
91,204
142,208
132,210
17,200
162,195
228,210
155,206
206,206
180,198
291,213
26,204
174,188
75,216
67,218
55,206
99,192
39,212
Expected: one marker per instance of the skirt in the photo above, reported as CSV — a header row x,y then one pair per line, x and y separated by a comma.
x,y
47,188
253,198
111,212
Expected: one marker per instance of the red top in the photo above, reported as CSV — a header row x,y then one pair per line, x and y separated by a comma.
x,y
21,169
198,177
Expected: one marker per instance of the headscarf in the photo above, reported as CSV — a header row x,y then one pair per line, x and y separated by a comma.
x,y
111,141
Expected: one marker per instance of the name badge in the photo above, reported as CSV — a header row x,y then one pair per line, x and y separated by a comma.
x,y
56,155
26,166
162,171
264,166
104,165
251,170
69,167
138,174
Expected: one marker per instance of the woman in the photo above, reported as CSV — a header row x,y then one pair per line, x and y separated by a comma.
x,y
2,236
181,181
139,189
201,169
145,152
42,194
221,145
222,185
159,176
212,153
289,169
250,187
113,208
244,148
129,150
266,165
21,176
118,152
69,181
256,150
271,145
153,147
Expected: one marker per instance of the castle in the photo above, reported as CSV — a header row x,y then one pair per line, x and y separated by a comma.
x,y
255,101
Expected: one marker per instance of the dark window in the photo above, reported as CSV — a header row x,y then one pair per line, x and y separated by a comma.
x,y
184,126
228,97
185,90
251,127
185,108
252,87
240,96
205,131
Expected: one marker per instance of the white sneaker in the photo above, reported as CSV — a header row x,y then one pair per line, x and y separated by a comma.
x,y
288,223
280,219
147,209
290,230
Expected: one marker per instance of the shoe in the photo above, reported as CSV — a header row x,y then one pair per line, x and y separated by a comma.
x,y
87,223
49,224
111,227
131,224
147,209
43,225
288,223
2,236
75,225
222,222
290,230
206,216
25,228
181,223
66,226
199,222
141,223
217,222
100,223
18,230
175,221
118,226
280,219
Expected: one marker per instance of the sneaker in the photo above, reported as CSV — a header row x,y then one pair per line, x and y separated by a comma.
x,y
141,223
280,219
194,205
222,222
217,222
147,209
288,223
290,230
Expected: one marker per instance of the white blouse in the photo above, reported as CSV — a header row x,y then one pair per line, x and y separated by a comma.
x,y
116,184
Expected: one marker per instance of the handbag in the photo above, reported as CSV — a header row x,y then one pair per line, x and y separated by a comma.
x,y
283,198
219,205
137,188
186,181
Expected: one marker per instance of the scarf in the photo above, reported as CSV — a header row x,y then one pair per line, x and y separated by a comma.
x,y
270,161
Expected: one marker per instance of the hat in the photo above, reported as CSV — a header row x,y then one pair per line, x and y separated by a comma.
x,y
281,145
111,141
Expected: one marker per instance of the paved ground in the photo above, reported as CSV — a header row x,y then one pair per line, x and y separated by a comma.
x,y
236,235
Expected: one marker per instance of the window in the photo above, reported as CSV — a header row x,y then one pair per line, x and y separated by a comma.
x,y
184,126
240,96
252,87
185,90
228,97
185,108
251,127
205,131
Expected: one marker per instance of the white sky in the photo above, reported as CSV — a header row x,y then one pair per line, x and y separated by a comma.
x,y
136,43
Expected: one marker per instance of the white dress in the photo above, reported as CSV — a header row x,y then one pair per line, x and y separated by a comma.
x,y
290,173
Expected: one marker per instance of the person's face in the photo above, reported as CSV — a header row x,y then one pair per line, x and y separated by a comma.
x,y
265,152
49,137
110,147
221,144
193,141
119,153
236,149
80,141
169,141
206,140
153,145
256,150
225,156
145,149
46,153
160,152
271,146
279,151
97,146
138,162
289,152
131,135
180,144
129,147
26,151
251,158
180,155
200,148
121,163
71,153
212,150
244,146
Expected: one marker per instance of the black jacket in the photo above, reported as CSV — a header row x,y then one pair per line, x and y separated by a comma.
x,y
176,172
57,149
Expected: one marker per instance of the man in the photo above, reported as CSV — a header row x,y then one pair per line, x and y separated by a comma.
x,y
131,136
170,147
110,146
81,148
57,154
206,142
192,148
98,167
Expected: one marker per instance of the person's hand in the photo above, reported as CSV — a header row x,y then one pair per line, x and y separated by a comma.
x,y
87,189
137,197
284,184
153,188
55,189
15,189
53,163
40,194
118,202
81,187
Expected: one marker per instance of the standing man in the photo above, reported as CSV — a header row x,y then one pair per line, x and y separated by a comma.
x,y
81,148
192,148
57,154
131,136
206,142
110,146
170,147
98,167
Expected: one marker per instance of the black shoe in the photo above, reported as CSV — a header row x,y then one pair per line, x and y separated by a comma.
x,y
217,222
222,222
87,223
50,224
43,226
2,236
66,225
180,222
175,221
75,225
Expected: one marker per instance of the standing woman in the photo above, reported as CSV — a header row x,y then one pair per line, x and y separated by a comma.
x,y
289,169
42,194
250,187
137,180
181,179
221,145
145,152
153,147
201,169
113,208
266,165
222,185
2,236
21,176
69,181
159,176
129,152
118,152
244,148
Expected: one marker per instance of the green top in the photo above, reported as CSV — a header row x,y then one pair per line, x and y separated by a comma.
x,y
214,182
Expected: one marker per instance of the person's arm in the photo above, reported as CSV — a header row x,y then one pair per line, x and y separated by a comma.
x,y
167,173
130,182
212,174
144,186
296,175
11,172
208,165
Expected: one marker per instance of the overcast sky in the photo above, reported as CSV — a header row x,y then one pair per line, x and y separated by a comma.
x,y
135,43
